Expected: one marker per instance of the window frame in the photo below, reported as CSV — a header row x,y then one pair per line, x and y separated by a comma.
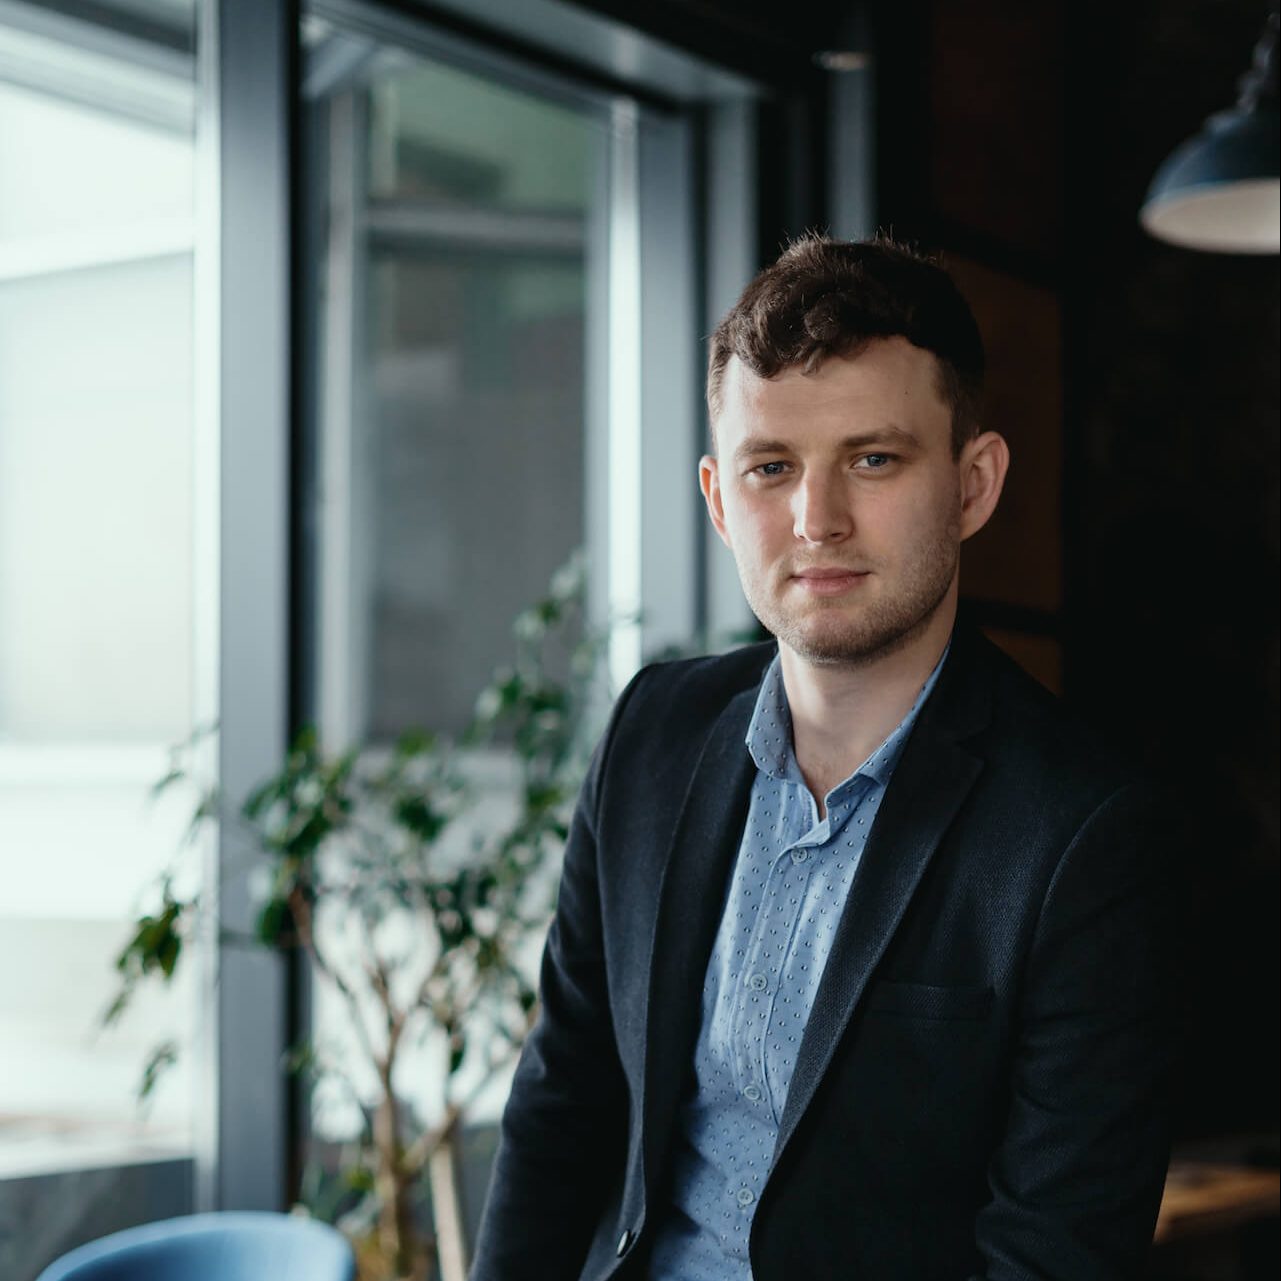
x,y
694,228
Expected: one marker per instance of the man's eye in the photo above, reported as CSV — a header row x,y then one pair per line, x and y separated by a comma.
x,y
770,469
874,462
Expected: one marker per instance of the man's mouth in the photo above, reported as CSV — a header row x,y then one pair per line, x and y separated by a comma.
x,y
829,581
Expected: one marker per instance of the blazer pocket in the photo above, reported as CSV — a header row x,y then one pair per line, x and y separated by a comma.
x,y
922,1001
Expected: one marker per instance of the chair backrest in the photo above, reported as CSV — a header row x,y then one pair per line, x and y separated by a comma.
x,y
212,1247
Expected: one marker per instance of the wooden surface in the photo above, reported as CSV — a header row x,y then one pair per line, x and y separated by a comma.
x,y
1202,1198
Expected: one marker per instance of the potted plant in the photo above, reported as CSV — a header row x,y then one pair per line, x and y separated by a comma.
x,y
414,898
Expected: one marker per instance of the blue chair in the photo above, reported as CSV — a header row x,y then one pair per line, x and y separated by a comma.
x,y
212,1247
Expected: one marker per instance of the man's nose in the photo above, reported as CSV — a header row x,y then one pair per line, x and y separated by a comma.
x,y
821,508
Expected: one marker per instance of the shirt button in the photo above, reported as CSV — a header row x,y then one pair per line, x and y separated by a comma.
x,y
758,982
744,1196
800,856
752,1092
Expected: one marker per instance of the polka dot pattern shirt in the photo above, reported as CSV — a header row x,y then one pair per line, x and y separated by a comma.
x,y
788,889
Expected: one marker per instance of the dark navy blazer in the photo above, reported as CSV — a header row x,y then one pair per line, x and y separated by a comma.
x,y
981,1086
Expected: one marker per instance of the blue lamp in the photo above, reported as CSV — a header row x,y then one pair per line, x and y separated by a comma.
x,y
1221,190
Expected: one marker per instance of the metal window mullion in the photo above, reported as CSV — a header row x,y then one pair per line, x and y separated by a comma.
x,y
669,402
421,224
247,96
623,557
346,557
596,346
206,612
731,237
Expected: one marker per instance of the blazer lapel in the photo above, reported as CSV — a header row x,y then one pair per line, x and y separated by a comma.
x,y
707,836
932,779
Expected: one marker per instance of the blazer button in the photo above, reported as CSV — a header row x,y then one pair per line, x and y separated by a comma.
x,y
624,1243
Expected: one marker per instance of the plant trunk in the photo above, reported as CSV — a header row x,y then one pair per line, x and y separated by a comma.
x,y
398,1236
451,1249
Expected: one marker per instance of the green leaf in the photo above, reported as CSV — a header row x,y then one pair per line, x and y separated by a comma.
x,y
162,785
160,1060
156,943
416,815
118,1006
414,742
301,1058
168,950
262,798
457,1052
542,796
273,917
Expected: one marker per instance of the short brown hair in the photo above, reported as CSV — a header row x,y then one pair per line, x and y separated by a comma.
x,y
827,297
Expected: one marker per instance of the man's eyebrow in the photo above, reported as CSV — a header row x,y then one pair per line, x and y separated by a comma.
x,y
890,434
751,445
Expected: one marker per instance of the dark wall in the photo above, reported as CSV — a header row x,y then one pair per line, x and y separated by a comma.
x,y
1020,139
773,43
1173,587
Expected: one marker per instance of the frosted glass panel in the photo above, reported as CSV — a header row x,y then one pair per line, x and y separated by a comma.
x,y
95,504
96,580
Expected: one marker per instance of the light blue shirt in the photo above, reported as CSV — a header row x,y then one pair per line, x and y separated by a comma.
x,y
788,890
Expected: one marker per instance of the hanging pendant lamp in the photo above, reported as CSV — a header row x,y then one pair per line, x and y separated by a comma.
x,y
1221,190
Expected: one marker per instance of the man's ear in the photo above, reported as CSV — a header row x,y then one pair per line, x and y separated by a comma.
x,y
709,481
984,461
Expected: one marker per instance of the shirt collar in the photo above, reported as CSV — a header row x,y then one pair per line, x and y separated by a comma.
x,y
769,735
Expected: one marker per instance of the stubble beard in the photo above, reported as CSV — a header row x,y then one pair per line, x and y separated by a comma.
x,y
872,630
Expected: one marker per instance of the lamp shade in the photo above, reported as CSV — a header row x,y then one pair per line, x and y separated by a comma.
x,y
1221,190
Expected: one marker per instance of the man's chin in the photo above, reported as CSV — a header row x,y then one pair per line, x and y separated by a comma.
x,y
829,641
832,641
836,652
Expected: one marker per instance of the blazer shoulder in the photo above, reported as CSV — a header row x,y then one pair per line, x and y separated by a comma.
x,y
1045,742
696,690
670,709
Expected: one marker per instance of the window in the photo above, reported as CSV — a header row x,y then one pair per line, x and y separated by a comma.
x,y
503,299
452,374
97,567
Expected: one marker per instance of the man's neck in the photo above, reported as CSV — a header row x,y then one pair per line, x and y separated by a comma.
x,y
842,712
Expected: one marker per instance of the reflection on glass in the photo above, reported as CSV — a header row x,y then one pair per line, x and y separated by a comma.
x,y
456,256
443,136
477,419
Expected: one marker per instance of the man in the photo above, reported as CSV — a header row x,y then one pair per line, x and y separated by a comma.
x,y
855,971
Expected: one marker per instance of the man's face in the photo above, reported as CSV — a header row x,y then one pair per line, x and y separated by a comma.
x,y
840,498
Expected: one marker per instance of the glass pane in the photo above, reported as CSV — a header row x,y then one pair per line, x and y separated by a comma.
x,y
442,135
455,257
477,374
96,590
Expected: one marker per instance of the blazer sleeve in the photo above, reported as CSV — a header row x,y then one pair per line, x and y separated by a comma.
x,y
562,1142
1076,1180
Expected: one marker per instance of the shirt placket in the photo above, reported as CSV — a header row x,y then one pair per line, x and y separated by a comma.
x,y
806,854
774,931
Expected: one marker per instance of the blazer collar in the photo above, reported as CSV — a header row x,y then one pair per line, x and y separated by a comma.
x,y
932,779
691,898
